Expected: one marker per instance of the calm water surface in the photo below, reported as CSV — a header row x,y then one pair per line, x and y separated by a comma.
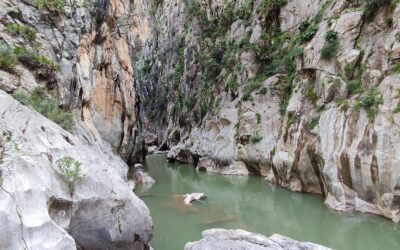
x,y
249,203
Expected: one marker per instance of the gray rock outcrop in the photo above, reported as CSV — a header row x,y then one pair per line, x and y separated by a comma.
x,y
45,207
222,239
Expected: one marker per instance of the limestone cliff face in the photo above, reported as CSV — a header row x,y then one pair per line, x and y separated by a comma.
x,y
93,44
305,93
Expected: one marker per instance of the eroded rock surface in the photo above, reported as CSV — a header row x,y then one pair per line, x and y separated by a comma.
x,y
38,210
222,239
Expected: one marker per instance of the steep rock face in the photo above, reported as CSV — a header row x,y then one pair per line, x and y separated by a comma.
x,y
44,207
304,93
239,239
92,44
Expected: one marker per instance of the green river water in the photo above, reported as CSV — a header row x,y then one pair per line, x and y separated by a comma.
x,y
251,204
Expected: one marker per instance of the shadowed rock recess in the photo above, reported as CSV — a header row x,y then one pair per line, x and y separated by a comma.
x,y
305,93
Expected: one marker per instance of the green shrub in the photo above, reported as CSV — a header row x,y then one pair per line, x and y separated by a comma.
x,y
313,122
372,7
331,46
354,87
255,138
51,5
190,102
21,97
204,108
7,58
48,107
21,30
34,61
252,85
331,36
72,172
307,35
311,95
343,104
258,118
370,102
397,109
292,119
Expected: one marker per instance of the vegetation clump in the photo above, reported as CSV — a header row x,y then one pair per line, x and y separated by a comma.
x,y
72,172
370,102
331,46
255,138
7,58
47,106
372,6
51,5
313,122
307,31
21,30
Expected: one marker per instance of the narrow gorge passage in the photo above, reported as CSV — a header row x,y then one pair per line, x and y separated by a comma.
x,y
247,202
290,107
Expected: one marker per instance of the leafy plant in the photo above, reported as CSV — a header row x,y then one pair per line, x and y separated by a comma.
x,y
308,34
291,120
372,6
255,138
313,122
32,60
370,102
331,46
47,106
354,87
7,58
51,5
21,30
258,118
343,104
72,172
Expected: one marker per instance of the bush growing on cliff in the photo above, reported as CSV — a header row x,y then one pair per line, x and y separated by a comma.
x,y
51,5
21,30
313,122
7,58
255,138
307,31
370,102
72,172
331,46
42,103
44,66
372,6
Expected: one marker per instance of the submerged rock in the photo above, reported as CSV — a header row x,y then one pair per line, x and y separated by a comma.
x,y
190,198
44,207
141,176
222,239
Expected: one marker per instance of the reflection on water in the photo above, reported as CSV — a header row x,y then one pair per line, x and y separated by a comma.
x,y
250,204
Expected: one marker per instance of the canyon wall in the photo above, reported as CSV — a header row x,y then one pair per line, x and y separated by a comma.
x,y
90,46
72,62
305,93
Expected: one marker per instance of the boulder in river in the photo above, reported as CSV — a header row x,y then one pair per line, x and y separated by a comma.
x,y
190,198
141,176
236,239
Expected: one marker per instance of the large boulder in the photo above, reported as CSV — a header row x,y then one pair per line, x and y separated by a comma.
x,y
222,239
42,206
